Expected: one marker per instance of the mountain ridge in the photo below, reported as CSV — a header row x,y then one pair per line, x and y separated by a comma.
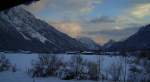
x,y
21,30
138,41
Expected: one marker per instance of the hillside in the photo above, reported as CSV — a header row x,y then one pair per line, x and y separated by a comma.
x,y
20,30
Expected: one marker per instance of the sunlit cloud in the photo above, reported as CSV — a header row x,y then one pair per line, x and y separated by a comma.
x,y
141,11
135,16
71,28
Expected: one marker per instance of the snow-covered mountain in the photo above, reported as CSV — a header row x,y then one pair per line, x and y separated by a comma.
x,y
139,40
89,43
20,30
108,44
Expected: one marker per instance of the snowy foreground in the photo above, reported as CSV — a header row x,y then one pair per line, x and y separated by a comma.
x,y
23,77
23,63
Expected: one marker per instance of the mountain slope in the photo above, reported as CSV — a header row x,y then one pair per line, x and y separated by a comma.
x,y
108,44
89,43
20,30
139,40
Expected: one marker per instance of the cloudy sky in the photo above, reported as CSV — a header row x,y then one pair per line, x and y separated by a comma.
x,y
98,19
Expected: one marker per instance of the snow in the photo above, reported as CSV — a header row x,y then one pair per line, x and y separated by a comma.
x,y
23,62
24,36
42,38
8,76
39,36
14,77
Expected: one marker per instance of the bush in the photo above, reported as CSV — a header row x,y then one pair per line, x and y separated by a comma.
x,y
4,63
139,71
134,73
76,68
65,73
144,54
93,71
79,67
46,65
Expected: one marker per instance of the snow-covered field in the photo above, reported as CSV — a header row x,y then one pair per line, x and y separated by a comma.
x,y
23,63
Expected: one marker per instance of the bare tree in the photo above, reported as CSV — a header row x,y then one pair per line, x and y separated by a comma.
x,y
134,73
46,65
100,62
115,71
77,62
125,67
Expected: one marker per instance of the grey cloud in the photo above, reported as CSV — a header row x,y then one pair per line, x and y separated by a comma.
x,y
64,9
103,19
